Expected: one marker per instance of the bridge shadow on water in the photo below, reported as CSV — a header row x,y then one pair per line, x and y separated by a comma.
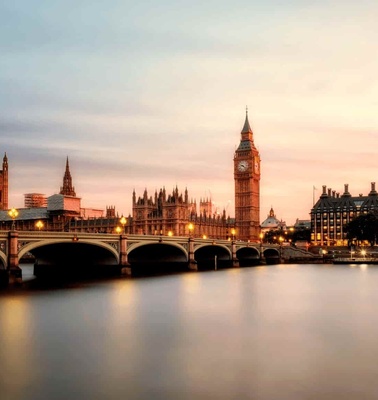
x,y
69,276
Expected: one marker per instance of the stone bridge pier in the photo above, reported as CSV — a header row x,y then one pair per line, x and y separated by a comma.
x,y
14,270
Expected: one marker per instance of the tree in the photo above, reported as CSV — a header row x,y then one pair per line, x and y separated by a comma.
x,y
363,227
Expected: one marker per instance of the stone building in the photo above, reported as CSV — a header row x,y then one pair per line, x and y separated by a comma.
x,y
272,223
54,213
35,200
247,185
174,214
332,212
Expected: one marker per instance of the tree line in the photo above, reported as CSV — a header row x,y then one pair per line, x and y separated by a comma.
x,y
363,228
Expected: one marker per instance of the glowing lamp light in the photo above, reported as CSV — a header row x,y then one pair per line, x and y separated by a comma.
x,y
123,222
13,213
191,228
39,225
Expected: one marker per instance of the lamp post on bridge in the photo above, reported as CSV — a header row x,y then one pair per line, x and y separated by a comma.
x,y
123,222
13,213
261,236
233,233
190,229
281,239
192,263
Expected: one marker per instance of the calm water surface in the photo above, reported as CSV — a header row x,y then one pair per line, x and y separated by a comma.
x,y
276,332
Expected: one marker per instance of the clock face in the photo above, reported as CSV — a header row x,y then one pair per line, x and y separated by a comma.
x,y
243,166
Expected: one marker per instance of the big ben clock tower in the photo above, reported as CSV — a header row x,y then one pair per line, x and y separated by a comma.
x,y
247,186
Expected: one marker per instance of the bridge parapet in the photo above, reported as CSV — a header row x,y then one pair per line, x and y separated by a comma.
x,y
15,244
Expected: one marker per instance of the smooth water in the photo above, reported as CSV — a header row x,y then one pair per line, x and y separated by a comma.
x,y
275,332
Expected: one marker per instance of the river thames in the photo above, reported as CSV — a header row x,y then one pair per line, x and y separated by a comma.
x,y
281,332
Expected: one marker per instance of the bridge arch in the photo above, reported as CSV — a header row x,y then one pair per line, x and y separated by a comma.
x,y
150,258
134,246
36,244
212,255
272,255
38,248
248,256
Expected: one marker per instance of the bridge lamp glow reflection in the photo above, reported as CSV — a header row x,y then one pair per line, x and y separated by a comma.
x,y
39,225
13,213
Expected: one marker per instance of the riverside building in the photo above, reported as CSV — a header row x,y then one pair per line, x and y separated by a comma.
x,y
332,212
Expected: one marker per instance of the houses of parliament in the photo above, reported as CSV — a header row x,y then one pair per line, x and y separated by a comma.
x,y
162,213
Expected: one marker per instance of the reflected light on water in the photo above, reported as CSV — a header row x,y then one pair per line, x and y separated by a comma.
x,y
265,333
16,348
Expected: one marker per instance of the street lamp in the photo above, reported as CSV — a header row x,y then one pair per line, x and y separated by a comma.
x,y
123,222
280,239
261,236
39,225
13,213
170,233
363,253
190,228
233,232
118,229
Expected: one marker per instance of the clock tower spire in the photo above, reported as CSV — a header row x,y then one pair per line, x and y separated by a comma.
x,y
247,185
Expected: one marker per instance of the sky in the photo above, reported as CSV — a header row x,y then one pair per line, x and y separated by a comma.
x,y
152,94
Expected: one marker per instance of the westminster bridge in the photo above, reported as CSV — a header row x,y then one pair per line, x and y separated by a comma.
x,y
128,253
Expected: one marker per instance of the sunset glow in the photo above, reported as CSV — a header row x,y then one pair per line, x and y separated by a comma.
x,y
142,95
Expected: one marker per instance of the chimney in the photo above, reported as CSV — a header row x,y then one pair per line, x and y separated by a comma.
x,y
373,192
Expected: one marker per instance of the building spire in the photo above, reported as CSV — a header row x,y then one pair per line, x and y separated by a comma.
x,y
246,127
67,189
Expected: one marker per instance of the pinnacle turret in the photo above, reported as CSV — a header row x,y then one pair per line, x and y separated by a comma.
x,y
67,189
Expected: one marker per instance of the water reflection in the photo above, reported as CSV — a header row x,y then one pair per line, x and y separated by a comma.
x,y
276,332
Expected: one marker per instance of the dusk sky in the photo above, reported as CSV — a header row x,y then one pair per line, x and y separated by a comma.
x,y
153,93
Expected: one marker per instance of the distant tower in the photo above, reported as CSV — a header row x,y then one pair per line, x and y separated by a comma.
x,y
206,207
247,185
67,189
4,184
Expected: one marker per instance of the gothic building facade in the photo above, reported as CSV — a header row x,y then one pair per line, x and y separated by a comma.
x,y
247,185
4,184
174,214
